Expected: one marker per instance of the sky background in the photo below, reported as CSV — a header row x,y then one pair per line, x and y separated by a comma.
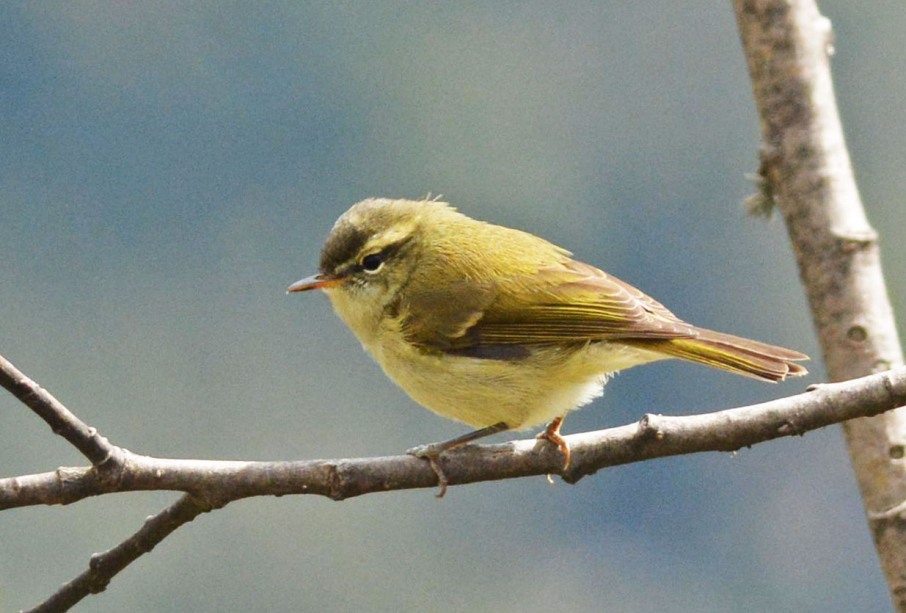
x,y
168,169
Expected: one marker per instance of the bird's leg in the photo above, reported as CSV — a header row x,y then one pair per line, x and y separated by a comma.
x,y
432,451
552,435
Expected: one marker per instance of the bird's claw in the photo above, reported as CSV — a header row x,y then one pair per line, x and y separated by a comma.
x,y
552,435
431,453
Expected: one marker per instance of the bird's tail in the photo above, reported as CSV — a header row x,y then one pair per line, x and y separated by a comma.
x,y
742,356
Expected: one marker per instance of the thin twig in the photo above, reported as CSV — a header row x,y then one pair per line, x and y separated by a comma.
x,y
82,436
102,567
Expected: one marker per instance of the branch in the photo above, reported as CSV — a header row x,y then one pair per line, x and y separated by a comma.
x,y
214,484
655,436
104,566
805,168
82,436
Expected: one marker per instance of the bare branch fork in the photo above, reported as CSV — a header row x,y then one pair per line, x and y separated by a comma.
x,y
213,484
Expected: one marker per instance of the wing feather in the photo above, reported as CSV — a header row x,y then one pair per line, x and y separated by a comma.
x,y
569,302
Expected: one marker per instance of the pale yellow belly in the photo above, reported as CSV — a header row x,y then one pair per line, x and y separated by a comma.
x,y
522,394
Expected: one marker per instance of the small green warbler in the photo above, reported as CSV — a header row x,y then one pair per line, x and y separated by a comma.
x,y
499,328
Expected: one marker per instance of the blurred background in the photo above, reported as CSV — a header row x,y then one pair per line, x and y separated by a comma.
x,y
167,169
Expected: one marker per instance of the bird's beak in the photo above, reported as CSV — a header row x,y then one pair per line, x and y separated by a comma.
x,y
319,281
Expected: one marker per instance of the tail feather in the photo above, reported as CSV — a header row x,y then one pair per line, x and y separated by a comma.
x,y
733,353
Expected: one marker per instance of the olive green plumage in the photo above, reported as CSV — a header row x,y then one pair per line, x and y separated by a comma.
x,y
491,325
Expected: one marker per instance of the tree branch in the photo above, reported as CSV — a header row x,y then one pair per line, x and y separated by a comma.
x,y
213,484
219,482
82,436
104,566
805,167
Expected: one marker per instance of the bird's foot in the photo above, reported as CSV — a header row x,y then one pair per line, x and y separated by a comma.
x,y
552,435
431,453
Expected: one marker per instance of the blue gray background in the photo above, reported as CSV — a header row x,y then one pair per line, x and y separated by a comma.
x,y
167,169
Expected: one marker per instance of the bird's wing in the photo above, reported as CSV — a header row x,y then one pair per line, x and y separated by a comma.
x,y
569,302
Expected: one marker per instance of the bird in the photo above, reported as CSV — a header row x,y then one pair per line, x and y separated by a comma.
x,y
498,328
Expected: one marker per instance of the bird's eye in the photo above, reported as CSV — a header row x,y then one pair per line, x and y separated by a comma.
x,y
372,262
